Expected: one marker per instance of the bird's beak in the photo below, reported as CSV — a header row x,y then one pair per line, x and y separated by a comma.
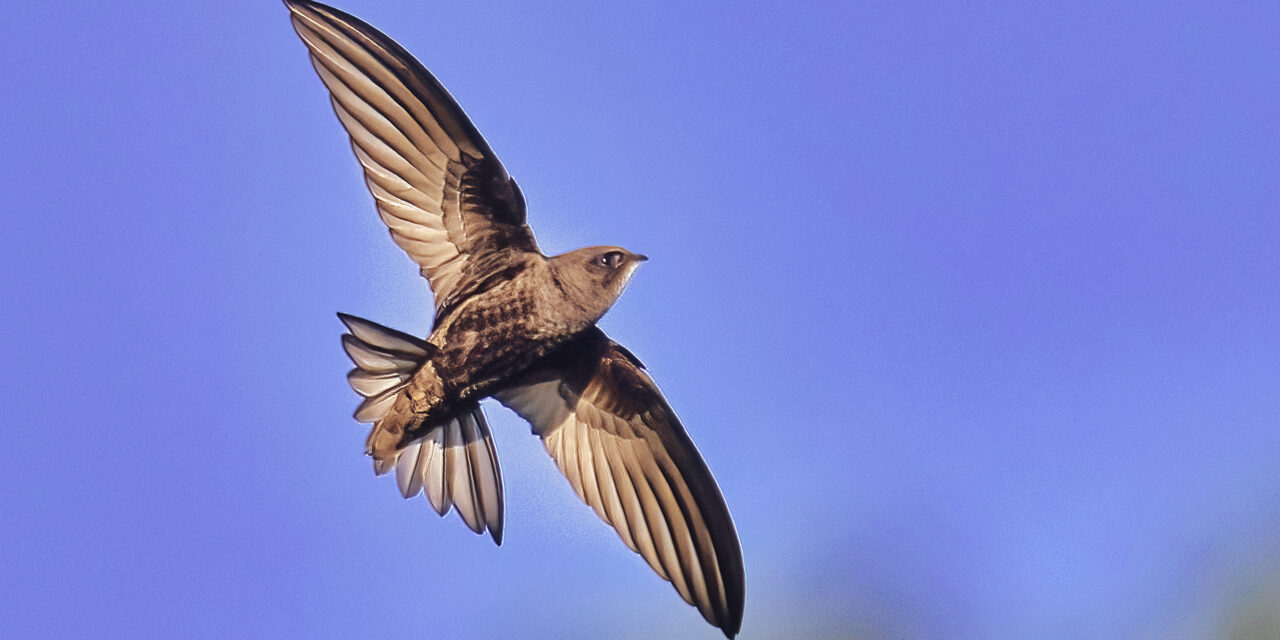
x,y
639,257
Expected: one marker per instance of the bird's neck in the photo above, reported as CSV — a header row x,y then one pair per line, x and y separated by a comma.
x,y
571,301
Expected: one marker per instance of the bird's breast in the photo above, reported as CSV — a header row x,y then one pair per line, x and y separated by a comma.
x,y
496,335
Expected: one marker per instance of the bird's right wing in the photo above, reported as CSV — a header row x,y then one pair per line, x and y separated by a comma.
x,y
440,189
622,448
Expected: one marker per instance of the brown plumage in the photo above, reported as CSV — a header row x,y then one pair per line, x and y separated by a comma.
x,y
510,323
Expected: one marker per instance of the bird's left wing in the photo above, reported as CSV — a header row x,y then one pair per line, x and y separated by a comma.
x,y
442,192
613,435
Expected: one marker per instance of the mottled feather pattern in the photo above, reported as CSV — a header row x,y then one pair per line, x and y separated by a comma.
x,y
453,458
510,323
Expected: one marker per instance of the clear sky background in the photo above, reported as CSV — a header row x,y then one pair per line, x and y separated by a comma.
x,y
973,309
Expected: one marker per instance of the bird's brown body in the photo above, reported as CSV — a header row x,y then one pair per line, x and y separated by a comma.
x,y
512,324
485,342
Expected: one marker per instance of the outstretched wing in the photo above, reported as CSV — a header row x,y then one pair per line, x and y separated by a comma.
x,y
624,451
440,189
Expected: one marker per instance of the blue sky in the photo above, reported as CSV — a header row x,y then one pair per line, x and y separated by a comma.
x,y
974,311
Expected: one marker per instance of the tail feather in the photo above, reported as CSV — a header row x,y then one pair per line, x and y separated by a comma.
x,y
458,473
385,361
385,338
455,463
374,407
374,359
487,477
368,384
433,473
457,466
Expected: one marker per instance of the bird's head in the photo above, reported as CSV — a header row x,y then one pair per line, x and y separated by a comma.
x,y
593,278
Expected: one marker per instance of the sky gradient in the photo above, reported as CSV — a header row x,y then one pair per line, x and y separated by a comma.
x,y
974,312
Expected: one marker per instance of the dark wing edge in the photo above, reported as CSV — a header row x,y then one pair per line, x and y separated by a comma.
x,y
442,192
620,445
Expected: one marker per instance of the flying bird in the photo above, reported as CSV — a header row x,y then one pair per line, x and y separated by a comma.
x,y
510,323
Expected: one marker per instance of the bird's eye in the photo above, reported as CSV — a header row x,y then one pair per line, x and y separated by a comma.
x,y
609,260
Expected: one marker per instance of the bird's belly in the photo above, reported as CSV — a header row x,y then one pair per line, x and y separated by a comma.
x,y
495,336
475,363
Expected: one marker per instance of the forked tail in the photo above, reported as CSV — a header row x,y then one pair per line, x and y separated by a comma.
x,y
455,463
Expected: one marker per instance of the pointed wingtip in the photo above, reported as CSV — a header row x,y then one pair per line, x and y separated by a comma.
x,y
734,625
